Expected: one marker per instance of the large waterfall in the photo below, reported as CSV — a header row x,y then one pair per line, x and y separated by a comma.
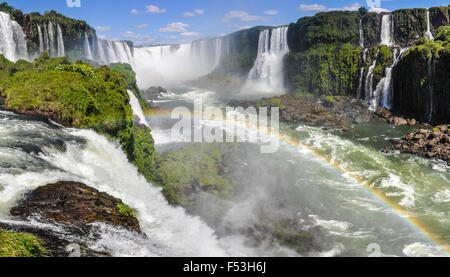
x,y
168,65
108,51
369,80
87,48
50,40
13,44
387,30
267,72
361,34
428,33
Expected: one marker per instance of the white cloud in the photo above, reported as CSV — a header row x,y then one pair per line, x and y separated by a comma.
x,y
142,26
194,13
352,7
154,9
190,34
103,29
176,27
312,8
378,10
139,39
149,9
242,16
271,12
188,14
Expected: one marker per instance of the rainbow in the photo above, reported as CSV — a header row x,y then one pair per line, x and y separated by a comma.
x,y
379,194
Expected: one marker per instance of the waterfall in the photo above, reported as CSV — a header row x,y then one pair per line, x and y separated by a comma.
x,y
369,80
60,41
41,39
384,92
361,34
87,48
51,37
431,63
46,39
109,51
387,30
218,54
13,43
267,71
428,33
136,107
361,74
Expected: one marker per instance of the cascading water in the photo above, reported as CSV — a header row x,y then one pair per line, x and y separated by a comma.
x,y
136,107
51,36
361,34
428,33
13,43
368,87
60,41
87,48
92,159
430,64
41,39
267,72
387,30
109,51
46,39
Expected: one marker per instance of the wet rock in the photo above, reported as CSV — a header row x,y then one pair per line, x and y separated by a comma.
x,y
76,204
428,143
152,93
398,121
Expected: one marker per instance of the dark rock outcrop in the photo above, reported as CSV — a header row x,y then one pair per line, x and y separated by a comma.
x,y
429,143
76,204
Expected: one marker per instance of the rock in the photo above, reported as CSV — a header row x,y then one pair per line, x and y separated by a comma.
x,y
398,121
383,112
76,204
153,93
412,122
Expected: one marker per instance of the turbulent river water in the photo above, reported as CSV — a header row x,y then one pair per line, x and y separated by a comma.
x,y
338,186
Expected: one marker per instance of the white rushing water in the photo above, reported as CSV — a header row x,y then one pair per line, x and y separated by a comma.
x,y
387,30
368,87
361,34
428,33
41,39
13,43
87,48
136,107
267,73
51,37
110,51
101,164
60,41
383,94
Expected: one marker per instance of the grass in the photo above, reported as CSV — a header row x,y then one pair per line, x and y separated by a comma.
x,y
127,210
21,245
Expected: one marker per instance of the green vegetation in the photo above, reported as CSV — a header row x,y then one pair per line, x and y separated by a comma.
x,y
127,210
328,69
20,245
192,169
130,78
384,59
80,96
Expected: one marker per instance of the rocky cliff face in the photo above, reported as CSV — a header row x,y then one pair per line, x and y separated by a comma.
x,y
72,30
422,80
342,53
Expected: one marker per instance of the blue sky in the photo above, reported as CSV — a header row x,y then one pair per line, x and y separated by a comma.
x,y
174,21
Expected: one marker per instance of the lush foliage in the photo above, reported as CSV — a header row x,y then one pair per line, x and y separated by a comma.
x,y
194,168
127,210
332,70
20,245
130,78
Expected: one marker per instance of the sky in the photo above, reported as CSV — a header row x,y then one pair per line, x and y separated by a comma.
x,y
151,22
